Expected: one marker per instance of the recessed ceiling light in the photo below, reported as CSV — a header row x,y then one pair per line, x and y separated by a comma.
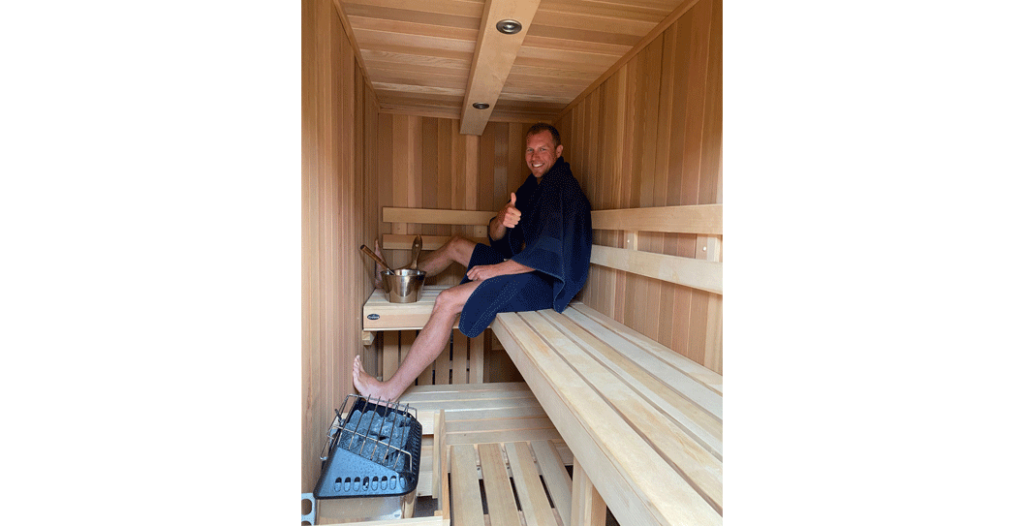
x,y
481,105
509,26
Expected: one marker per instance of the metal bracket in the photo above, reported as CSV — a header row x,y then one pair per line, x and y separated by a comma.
x,y
311,516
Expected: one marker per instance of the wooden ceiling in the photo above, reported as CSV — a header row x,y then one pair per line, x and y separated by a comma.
x,y
422,56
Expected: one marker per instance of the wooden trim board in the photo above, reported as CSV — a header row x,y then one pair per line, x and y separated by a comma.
x,y
684,219
694,273
427,216
404,241
492,60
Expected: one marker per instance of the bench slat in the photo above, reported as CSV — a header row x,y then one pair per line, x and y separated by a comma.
x,y
404,241
691,368
682,383
532,498
467,506
501,503
683,219
700,424
556,478
467,392
507,435
671,441
496,425
694,273
629,474
410,521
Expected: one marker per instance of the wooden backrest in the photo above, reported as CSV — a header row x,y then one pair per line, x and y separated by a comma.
x,y
400,217
703,272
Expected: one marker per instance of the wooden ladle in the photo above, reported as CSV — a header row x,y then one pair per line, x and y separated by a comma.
x,y
417,244
376,258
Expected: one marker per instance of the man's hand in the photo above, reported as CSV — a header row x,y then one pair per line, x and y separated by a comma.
x,y
484,272
509,216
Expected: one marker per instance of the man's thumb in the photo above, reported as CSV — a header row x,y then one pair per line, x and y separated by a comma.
x,y
513,203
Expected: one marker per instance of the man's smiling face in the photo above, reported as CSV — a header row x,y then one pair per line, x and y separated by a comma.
x,y
541,153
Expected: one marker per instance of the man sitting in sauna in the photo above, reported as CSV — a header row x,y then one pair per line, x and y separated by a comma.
x,y
538,258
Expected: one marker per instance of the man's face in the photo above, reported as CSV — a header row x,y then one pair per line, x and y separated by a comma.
x,y
541,153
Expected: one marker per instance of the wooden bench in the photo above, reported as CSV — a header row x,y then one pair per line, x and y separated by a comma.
x,y
477,414
643,423
500,477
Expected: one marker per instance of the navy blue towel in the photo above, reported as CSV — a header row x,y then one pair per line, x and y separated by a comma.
x,y
554,236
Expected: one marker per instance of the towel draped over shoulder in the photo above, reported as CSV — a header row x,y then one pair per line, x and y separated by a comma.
x,y
553,237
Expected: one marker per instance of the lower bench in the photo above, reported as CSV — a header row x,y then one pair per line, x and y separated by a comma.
x,y
482,440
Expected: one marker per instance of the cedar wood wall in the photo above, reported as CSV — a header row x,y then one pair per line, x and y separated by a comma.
x,y
339,114
650,135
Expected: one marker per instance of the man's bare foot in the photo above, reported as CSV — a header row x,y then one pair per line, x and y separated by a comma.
x,y
365,384
377,269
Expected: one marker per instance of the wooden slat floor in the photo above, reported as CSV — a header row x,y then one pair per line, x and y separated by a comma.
x,y
479,414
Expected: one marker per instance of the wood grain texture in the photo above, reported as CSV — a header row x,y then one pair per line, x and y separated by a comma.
x,y
492,60
588,508
639,471
692,219
689,272
467,505
468,173
532,498
556,479
501,503
404,242
565,48
663,105
410,521
339,152
437,217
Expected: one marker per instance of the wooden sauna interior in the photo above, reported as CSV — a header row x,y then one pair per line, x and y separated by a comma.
x,y
634,86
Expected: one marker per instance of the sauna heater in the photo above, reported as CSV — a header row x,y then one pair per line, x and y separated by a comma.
x,y
372,461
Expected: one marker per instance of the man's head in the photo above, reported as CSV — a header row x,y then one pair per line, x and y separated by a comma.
x,y
543,148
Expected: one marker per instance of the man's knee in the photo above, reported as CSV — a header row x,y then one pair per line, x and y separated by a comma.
x,y
460,249
460,243
450,300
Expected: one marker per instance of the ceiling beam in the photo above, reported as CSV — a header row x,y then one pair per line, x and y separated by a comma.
x,y
493,59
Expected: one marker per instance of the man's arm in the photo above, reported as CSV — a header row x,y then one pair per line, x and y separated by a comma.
x,y
508,217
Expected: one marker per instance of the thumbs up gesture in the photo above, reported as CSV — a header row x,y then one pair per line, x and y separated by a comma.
x,y
509,215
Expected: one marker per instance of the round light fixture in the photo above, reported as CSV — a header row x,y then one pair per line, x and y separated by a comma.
x,y
509,26
481,105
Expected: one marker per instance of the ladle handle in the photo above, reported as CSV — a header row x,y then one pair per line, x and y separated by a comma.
x,y
417,244
375,257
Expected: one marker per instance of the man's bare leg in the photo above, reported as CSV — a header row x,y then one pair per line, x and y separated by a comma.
x,y
456,250
425,349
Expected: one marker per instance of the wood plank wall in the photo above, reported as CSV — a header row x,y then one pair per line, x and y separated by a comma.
x,y
648,136
651,135
424,162
339,122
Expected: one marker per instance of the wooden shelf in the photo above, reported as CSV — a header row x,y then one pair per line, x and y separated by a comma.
x,y
400,316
